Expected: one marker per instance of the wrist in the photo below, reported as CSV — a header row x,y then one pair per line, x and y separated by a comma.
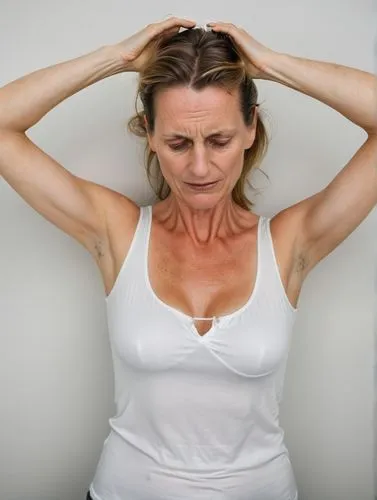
x,y
115,59
275,67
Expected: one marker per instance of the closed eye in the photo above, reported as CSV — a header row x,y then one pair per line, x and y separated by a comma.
x,y
182,145
218,144
178,147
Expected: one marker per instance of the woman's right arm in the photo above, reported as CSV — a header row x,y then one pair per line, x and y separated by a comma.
x,y
26,100
77,206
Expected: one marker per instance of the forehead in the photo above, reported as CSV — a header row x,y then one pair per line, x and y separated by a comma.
x,y
182,106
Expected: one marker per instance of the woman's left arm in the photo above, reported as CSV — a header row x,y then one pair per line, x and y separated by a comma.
x,y
327,218
351,92
322,221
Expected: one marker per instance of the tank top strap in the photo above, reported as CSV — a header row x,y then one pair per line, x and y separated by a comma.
x,y
142,237
133,265
266,255
269,267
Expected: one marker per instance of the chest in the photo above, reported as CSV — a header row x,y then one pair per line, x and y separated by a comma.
x,y
207,283
200,284
211,282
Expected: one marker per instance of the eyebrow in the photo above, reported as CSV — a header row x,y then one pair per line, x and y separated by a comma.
x,y
214,134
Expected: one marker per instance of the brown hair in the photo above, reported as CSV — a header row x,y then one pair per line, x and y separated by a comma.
x,y
198,58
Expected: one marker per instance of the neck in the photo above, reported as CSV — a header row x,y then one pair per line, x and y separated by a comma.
x,y
203,224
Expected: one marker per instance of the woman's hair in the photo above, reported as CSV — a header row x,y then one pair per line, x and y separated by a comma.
x,y
197,58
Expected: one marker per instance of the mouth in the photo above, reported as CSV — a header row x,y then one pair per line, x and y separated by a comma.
x,y
207,185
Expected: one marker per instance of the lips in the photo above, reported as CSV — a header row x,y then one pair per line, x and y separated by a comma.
x,y
206,184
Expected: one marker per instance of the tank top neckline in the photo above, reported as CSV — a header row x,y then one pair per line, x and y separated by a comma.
x,y
216,319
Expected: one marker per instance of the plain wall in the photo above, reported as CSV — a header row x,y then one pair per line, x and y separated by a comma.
x,y
56,382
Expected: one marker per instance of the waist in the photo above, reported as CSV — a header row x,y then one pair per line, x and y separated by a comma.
x,y
196,449
130,473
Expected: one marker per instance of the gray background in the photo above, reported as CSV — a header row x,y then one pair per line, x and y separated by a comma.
x,y
55,368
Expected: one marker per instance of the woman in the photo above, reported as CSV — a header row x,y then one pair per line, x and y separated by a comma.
x,y
198,376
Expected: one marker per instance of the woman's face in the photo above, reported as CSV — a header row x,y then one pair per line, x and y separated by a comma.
x,y
200,137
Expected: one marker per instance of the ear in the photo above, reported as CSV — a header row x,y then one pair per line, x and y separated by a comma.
x,y
149,135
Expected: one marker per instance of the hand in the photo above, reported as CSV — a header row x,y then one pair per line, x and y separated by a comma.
x,y
135,50
255,54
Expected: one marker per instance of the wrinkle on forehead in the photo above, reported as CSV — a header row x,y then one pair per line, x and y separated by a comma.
x,y
183,110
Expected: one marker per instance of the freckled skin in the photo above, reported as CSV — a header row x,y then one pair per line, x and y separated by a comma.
x,y
202,239
196,116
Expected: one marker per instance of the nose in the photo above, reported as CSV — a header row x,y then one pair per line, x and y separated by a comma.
x,y
200,162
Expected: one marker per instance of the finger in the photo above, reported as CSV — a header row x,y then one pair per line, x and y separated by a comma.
x,y
176,21
155,29
237,34
224,27
170,32
173,30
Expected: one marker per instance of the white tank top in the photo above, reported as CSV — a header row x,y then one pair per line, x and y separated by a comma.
x,y
197,417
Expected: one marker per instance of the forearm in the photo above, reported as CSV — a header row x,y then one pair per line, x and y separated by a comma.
x,y
25,101
351,92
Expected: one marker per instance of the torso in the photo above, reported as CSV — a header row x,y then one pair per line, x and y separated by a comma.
x,y
202,283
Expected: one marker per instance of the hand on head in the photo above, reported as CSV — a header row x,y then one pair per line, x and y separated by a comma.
x,y
135,49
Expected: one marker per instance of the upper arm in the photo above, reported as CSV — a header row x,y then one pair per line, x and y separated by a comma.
x,y
74,205
325,219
